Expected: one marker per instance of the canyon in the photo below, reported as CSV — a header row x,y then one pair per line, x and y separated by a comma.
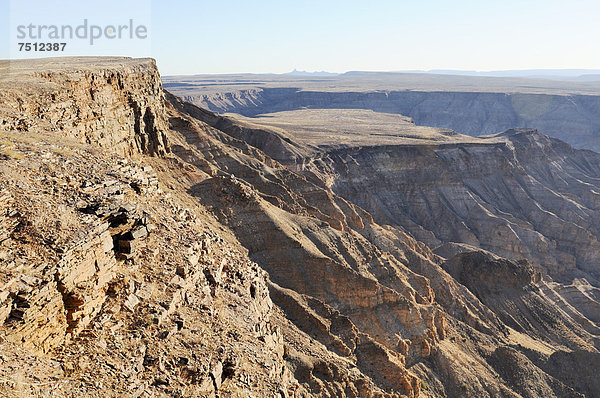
x,y
467,104
152,247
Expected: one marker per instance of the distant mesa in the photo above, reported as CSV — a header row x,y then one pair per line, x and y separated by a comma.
x,y
297,72
553,74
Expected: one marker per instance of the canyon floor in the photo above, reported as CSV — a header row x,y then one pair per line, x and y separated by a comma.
x,y
150,247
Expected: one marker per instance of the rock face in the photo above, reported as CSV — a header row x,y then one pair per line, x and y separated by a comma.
x,y
150,248
8,219
116,104
528,197
497,282
288,236
271,221
104,274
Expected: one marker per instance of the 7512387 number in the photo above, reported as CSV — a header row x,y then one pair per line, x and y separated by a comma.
x,y
42,46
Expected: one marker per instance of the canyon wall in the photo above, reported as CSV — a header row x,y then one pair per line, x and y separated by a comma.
x,y
107,281
530,197
572,118
457,198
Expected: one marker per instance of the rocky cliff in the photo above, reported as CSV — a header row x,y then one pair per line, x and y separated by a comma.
x,y
516,188
109,282
109,104
152,248
528,197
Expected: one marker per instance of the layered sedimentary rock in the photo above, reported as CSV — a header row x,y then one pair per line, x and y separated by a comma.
x,y
271,221
315,251
126,268
116,104
528,197
102,271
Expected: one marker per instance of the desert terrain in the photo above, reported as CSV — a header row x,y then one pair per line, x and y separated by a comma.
x,y
165,237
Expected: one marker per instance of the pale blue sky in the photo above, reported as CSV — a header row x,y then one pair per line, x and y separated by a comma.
x,y
277,36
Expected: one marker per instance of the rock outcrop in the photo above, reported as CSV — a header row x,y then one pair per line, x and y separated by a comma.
x,y
102,272
110,104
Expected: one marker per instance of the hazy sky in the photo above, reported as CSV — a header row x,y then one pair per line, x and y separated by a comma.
x,y
225,36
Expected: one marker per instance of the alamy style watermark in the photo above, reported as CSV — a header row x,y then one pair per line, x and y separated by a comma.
x,y
35,37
